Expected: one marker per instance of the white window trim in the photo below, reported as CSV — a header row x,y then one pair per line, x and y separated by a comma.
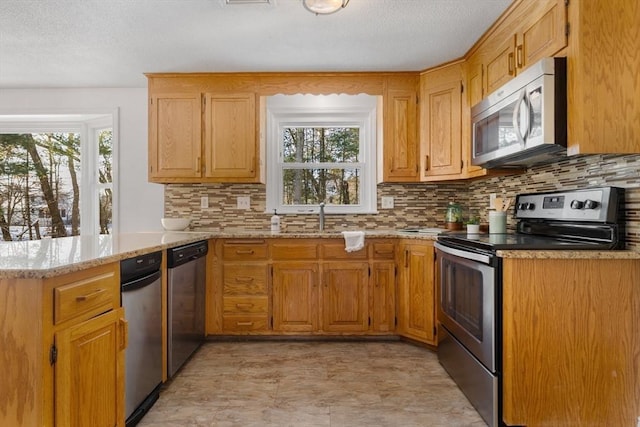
x,y
322,111
28,122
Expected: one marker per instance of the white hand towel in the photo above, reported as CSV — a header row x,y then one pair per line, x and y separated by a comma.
x,y
353,240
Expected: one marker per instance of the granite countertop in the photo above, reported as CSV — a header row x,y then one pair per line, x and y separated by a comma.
x,y
51,257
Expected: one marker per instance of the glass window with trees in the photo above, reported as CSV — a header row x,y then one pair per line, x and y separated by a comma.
x,y
55,183
321,154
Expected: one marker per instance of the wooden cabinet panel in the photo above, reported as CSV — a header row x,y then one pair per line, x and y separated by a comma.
x,y
501,66
383,301
175,136
245,279
295,296
246,305
336,251
400,136
244,250
345,304
543,36
90,372
294,249
87,295
245,323
383,250
603,77
231,146
571,342
417,292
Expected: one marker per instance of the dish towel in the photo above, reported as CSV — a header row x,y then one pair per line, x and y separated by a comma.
x,y
353,240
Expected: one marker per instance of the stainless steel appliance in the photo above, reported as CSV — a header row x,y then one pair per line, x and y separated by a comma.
x,y
524,122
470,278
186,304
142,302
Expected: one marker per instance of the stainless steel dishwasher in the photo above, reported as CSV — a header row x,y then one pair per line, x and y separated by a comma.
x,y
141,294
186,303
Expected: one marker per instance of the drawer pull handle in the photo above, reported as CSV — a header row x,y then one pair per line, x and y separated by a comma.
x,y
383,252
81,298
244,304
244,279
244,323
244,252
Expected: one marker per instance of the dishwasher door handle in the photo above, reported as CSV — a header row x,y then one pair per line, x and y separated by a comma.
x,y
141,282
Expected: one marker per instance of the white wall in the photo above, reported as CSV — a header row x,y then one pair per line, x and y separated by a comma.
x,y
140,204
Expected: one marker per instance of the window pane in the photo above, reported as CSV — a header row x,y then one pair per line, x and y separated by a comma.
x,y
334,186
321,144
39,185
105,204
105,155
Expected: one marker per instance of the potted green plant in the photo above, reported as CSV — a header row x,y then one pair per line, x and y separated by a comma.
x,y
473,224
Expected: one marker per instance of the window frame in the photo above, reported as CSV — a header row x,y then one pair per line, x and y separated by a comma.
x,y
337,111
87,125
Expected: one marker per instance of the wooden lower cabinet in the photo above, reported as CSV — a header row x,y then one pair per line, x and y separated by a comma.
x,y
62,340
295,296
571,345
89,373
345,297
416,292
383,296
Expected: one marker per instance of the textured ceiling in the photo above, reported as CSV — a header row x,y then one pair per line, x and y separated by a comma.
x,y
110,43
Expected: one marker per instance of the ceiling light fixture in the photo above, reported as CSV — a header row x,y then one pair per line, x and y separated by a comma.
x,y
324,7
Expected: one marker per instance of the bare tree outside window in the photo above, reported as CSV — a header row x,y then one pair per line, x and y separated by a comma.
x,y
40,188
321,165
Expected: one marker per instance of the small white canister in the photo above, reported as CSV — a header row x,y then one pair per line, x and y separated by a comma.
x,y
497,222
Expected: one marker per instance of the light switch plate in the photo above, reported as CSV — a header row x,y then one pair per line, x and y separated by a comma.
x,y
387,202
244,202
204,202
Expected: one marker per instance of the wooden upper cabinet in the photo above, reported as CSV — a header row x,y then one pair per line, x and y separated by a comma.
x,y
400,135
175,137
440,112
231,147
603,77
531,31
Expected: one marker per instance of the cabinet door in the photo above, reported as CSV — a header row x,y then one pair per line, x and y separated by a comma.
x,y
230,137
501,66
383,301
400,136
474,93
417,299
89,373
442,104
295,296
175,139
345,303
544,35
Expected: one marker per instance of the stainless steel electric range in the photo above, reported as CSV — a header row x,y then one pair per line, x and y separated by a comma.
x,y
470,279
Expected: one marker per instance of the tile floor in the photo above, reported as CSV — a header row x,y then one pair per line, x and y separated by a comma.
x,y
309,384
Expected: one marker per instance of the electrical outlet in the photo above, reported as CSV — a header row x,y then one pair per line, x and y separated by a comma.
x,y
387,202
492,198
204,202
244,202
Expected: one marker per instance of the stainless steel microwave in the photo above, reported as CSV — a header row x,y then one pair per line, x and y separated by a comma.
x,y
525,121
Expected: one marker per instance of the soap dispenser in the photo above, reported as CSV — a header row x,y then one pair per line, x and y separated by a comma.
x,y
275,222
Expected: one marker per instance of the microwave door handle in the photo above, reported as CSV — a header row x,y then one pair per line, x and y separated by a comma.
x,y
516,117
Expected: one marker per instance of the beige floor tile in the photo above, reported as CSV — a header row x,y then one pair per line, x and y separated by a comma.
x,y
312,384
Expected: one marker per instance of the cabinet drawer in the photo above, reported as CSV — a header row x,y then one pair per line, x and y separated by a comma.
x,y
86,296
244,250
245,279
246,305
383,250
292,249
245,323
336,251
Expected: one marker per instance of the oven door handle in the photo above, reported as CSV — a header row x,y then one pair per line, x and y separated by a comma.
x,y
485,259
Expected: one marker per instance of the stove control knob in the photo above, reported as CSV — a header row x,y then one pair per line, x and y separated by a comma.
x,y
577,204
591,204
529,206
522,206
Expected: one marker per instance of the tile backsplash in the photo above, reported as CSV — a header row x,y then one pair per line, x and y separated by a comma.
x,y
420,205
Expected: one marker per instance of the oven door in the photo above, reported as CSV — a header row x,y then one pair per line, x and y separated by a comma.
x,y
467,300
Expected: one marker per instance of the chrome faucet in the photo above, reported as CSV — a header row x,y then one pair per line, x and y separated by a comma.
x,y
322,216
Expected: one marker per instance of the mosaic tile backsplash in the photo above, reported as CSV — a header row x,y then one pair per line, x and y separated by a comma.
x,y
417,205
